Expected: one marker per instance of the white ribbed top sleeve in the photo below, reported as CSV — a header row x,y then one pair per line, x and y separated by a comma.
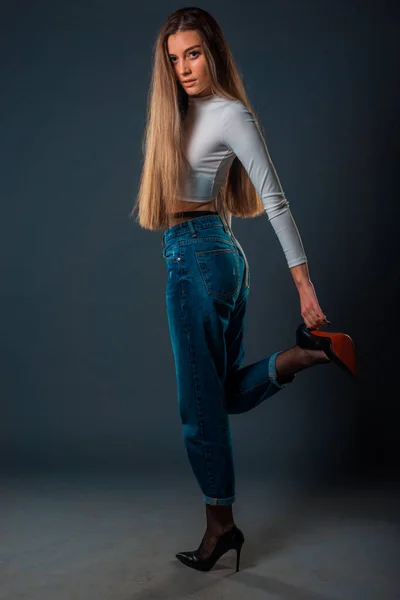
x,y
240,133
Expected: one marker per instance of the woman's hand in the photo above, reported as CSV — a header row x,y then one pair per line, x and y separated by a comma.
x,y
311,311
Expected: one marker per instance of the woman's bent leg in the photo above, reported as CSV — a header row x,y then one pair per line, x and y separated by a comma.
x,y
247,387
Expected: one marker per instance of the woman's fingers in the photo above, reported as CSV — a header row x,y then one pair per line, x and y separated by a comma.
x,y
313,319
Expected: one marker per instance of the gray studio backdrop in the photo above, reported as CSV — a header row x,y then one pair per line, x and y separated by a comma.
x,y
87,374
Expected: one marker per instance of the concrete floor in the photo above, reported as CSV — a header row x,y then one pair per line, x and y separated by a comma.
x,y
114,538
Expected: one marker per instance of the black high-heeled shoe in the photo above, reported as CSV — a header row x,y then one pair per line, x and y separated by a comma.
x,y
338,347
230,540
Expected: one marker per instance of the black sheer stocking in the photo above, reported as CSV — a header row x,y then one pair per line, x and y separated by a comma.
x,y
219,520
296,359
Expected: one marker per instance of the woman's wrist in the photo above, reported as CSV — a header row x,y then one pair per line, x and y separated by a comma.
x,y
301,276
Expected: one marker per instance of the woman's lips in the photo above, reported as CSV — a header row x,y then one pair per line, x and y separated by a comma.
x,y
189,83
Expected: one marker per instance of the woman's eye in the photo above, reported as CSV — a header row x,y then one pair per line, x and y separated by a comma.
x,y
192,52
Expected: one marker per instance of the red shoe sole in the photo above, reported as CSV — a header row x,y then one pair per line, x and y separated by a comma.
x,y
342,349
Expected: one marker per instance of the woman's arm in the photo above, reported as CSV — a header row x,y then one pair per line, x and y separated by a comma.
x,y
241,135
301,276
310,309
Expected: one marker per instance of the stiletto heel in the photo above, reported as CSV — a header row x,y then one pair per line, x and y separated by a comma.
x,y
238,549
338,347
230,540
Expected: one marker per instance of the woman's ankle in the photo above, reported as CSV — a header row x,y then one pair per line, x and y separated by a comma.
x,y
217,529
219,518
295,359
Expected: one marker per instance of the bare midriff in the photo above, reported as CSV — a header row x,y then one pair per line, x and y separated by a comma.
x,y
184,206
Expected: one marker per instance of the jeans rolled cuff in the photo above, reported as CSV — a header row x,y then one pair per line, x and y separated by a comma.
x,y
219,501
272,371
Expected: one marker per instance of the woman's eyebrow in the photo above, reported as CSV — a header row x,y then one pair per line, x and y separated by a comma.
x,y
190,48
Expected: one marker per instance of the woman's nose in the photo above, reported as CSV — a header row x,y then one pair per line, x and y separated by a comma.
x,y
184,69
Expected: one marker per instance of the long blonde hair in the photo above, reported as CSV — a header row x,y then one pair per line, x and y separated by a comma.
x,y
164,161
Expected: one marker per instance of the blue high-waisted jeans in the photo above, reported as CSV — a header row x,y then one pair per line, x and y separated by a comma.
x,y
206,300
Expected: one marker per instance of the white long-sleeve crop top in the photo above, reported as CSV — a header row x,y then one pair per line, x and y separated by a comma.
x,y
215,130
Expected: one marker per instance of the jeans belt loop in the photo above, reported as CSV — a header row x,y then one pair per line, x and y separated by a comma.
x,y
192,228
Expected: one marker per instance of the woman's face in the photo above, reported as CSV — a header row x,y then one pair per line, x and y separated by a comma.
x,y
188,60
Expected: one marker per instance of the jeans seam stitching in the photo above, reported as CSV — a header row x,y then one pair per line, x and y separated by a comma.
x,y
200,421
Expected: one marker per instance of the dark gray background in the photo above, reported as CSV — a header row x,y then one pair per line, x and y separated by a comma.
x,y
87,374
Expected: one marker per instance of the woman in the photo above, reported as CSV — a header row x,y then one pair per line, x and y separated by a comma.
x,y
206,159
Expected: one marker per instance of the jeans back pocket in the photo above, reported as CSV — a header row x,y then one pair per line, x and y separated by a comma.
x,y
220,270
